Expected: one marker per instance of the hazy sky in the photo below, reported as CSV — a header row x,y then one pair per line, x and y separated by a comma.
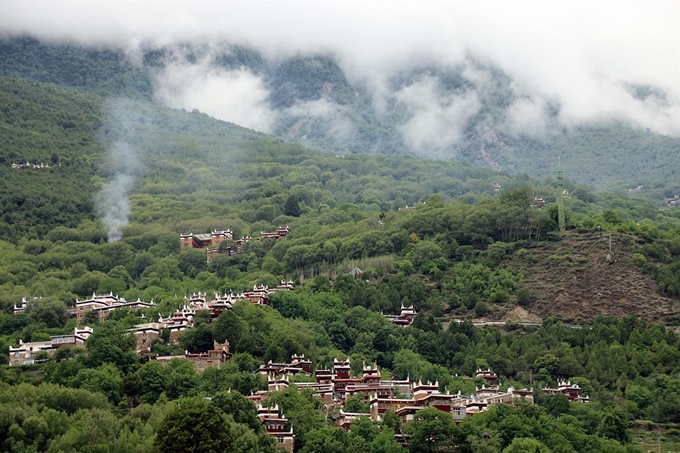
x,y
582,54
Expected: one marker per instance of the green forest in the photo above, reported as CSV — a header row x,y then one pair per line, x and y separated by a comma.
x,y
438,235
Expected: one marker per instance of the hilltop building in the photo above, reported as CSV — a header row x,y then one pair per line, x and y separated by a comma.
x,y
489,377
537,203
201,241
573,391
298,364
24,305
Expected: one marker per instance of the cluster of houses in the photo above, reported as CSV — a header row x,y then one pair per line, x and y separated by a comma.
x,y
210,241
333,387
101,305
175,323
673,201
405,398
18,165
183,318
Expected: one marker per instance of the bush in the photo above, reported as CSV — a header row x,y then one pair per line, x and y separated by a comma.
x,y
499,297
523,297
481,309
639,259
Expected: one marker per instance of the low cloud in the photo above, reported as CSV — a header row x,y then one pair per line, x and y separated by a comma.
x,y
527,116
335,116
236,96
436,122
579,55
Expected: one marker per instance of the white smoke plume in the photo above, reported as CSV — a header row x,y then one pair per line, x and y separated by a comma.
x,y
113,200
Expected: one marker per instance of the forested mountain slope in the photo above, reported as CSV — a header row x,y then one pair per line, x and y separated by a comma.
x,y
150,173
310,99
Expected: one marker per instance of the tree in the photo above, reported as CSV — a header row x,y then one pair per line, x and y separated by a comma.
x,y
110,343
132,387
194,427
52,312
431,430
356,403
526,445
106,379
292,206
557,404
228,327
614,426
325,440
192,261
385,443
153,379
198,339
181,378
235,404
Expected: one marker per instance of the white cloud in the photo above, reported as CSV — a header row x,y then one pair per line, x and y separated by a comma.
x,y
236,96
436,122
580,54
527,116
341,126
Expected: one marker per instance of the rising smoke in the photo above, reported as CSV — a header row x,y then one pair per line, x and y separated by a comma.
x,y
113,200
120,135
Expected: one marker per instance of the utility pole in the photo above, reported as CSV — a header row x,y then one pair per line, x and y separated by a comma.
x,y
559,176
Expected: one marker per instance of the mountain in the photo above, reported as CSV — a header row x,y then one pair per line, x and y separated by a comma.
x,y
472,111
80,167
98,185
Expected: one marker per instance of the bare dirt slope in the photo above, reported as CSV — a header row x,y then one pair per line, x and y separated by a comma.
x,y
575,281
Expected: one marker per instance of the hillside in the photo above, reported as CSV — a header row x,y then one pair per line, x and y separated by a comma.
x,y
573,280
365,235
309,99
48,155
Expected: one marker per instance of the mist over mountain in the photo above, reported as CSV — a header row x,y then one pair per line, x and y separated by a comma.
x,y
533,86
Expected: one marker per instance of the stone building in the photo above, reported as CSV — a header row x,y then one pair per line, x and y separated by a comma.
x,y
25,353
216,357
104,304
